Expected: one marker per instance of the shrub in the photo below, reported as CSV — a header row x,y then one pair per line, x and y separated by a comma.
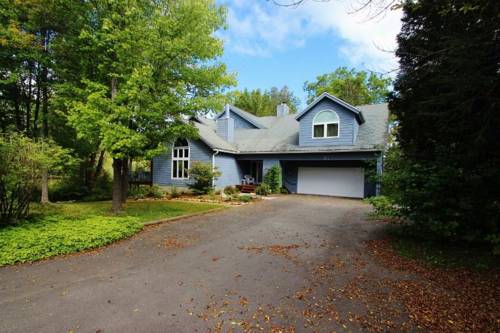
x,y
203,175
263,189
22,164
383,206
231,190
273,178
156,192
174,192
72,188
284,190
138,192
245,198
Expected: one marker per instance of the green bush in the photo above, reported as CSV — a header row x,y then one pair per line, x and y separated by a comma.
x,y
245,198
383,207
67,189
174,192
231,190
273,178
22,164
284,190
263,189
203,175
145,191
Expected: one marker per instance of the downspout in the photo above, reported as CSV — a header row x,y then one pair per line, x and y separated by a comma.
x,y
380,170
216,152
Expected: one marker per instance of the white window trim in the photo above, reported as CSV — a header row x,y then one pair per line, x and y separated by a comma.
x,y
188,159
325,127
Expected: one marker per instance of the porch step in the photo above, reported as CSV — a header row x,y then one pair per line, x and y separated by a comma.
x,y
246,188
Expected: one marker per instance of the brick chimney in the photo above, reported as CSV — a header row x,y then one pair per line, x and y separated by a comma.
x,y
225,126
282,110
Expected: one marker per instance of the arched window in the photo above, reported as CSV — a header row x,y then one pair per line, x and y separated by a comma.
x,y
326,125
180,159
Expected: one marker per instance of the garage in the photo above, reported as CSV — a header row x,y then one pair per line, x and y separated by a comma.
x,y
334,181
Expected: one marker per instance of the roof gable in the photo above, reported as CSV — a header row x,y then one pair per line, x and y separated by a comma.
x,y
243,114
357,113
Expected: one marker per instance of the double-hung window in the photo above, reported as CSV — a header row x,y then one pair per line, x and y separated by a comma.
x,y
180,160
326,125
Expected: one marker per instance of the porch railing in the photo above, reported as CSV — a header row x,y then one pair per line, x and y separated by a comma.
x,y
140,178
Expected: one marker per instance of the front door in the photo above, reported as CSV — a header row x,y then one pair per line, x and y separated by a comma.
x,y
256,171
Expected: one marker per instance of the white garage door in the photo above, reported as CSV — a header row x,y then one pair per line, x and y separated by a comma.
x,y
342,182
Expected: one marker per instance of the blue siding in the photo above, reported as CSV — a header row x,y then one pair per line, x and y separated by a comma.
x,y
346,130
240,122
355,132
231,171
162,164
225,129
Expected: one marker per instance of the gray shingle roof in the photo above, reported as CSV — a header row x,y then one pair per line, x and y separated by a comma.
x,y
281,134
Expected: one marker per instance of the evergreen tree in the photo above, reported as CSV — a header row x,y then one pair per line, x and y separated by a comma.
x,y
447,102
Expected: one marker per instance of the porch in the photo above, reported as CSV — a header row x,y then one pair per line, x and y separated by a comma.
x,y
251,171
246,188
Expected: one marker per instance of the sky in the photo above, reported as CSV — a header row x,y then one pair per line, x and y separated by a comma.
x,y
267,45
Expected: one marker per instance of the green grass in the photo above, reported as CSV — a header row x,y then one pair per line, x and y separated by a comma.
x,y
64,228
451,255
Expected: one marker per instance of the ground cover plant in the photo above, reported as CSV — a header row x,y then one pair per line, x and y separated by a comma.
x,y
72,227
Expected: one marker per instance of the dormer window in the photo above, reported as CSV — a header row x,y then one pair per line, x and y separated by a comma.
x,y
326,125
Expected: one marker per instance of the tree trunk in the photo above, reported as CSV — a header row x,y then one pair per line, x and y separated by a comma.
x,y
45,85
100,163
37,108
17,108
45,188
88,178
117,163
125,169
117,185
28,102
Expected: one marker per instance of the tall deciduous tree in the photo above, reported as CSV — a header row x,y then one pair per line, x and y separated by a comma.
x,y
353,86
264,103
156,64
447,101
28,30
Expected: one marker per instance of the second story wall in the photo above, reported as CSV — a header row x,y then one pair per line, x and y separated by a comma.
x,y
347,126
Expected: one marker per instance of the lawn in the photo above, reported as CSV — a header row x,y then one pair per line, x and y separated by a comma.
x,y
64,228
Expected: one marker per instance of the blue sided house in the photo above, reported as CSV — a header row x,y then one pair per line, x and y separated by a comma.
x,y
329,148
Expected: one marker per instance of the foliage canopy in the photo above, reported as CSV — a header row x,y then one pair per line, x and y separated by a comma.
x,y
353,86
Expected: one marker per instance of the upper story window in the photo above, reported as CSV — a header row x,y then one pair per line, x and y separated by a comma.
x,y
180,159
326,125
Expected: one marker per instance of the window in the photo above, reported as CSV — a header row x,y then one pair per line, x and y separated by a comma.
x,y
180,159
326,125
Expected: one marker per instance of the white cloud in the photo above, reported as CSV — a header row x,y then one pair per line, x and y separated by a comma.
x,y
259,28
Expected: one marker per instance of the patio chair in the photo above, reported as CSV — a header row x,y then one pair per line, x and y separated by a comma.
x,y
248,180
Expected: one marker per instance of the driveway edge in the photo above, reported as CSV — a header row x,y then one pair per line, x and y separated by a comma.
x,y
181,217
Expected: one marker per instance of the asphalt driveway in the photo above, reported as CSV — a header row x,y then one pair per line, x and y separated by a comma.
x,y
248,268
